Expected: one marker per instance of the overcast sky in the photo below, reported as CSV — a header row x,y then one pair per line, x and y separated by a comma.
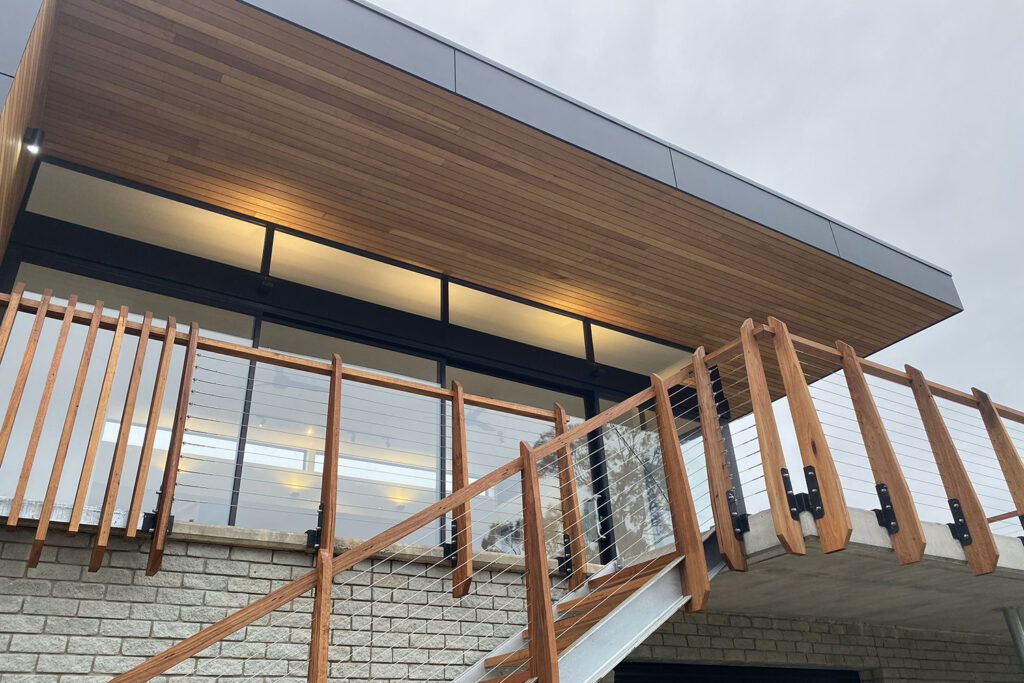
x,y
903,119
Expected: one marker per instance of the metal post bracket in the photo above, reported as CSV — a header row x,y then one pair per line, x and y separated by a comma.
x,y
886,515
804,502
958,527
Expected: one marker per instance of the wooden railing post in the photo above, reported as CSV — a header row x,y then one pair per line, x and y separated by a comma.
x,y
572,527
540,618
9,315
99,545
97,423
163,509
321,621
1009,460
979,545
65,437
693,570
462,524
773,460
152,424
719,477
905,529
833,519
44,406
22,378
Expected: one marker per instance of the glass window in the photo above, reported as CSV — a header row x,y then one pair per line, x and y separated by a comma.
x,y
502,317
111,207
207,458
335,270
636,354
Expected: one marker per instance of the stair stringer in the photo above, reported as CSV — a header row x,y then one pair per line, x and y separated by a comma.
x,y
610,640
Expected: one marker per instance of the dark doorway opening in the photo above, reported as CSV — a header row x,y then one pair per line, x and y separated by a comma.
x,y
633,672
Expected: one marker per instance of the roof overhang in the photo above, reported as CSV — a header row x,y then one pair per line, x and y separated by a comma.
x,y
337,119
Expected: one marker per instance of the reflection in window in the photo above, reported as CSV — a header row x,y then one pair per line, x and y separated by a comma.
x,y
636,354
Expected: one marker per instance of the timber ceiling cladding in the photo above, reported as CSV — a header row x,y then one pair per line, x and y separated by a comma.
x,y
221,102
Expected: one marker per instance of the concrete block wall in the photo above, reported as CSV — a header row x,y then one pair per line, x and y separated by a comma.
x,y
882,654
61,624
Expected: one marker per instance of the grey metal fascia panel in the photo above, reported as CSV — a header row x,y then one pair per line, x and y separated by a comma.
x,y
884,260
735,194
373,33
524,101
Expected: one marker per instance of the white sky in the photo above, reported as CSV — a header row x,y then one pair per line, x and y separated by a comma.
x,y
905,120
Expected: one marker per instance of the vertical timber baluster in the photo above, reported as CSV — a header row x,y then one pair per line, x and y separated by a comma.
x,y
23,370
693,570
166,497
44,405
773,460
99,546
572,527
152,424
321,621
980,547
9,315
834,526
719,477
1009,460
463,529
65,437
540,617
98,420
908,539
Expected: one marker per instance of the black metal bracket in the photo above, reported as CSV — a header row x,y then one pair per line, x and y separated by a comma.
x,y
451,549
1022,525
958,527
740,521
804,502
313,536
149,522
565,561
886,516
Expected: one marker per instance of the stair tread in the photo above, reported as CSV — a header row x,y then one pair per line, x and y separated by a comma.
x,y
565,623
627,573
605,594
522,656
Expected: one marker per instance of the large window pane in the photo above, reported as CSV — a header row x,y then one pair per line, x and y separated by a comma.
x,y
194,490
335,270
102,205
636,354
502,317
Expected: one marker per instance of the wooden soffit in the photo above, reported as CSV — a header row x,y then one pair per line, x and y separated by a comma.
x,y
224,103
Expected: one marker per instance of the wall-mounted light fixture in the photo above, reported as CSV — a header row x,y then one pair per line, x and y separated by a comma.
x,y
33,140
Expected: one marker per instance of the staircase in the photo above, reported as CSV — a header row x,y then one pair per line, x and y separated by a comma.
x,y
597,625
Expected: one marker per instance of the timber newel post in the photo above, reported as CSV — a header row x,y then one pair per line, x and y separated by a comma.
x,y
685,529
540,616
773,461
321,620
166,494
461,522
1009,459
897,512
831,514
970,525
572,528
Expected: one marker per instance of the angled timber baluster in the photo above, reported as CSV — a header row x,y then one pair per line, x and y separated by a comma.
x,y
572,527
686,531
26,364
905,529
102,536
321,621
540,618
97,423
65,437
973,530
152,424
166,496
462,527
9,315
833,517
773,460
719,477
1009,460
44,405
